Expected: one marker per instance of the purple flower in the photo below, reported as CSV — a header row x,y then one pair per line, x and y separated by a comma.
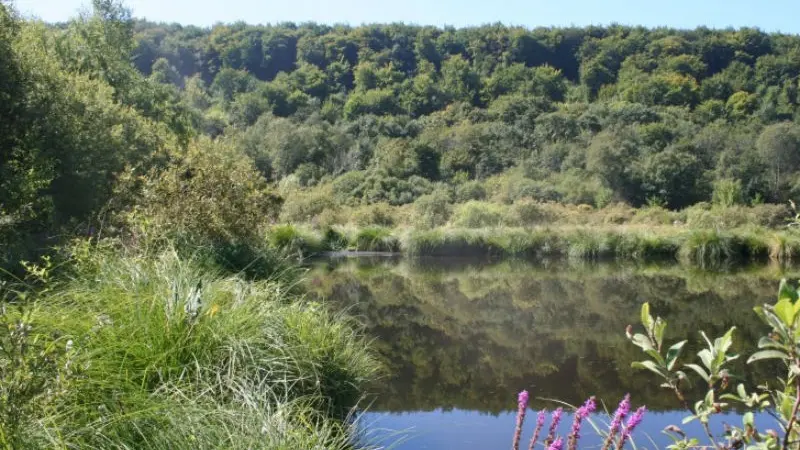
x,y
634,420
583,412
522,400
539,424
522,407
557,445
616,422
551,434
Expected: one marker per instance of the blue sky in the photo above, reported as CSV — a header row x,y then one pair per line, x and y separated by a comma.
x,y
770,15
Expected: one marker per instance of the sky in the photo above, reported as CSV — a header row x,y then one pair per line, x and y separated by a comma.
x,y
769,15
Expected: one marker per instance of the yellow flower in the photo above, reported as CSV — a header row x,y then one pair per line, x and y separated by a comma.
x,y
213,310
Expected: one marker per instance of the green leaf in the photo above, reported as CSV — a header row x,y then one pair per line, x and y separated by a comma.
x,y
658,330
748,419
649,365
673,353
709,398
642,342
766,342
656,357
787,292
647,319
706,358
767,354
784,309
787,404
700,371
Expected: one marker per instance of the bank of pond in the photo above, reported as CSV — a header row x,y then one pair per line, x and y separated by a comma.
x,y
702,246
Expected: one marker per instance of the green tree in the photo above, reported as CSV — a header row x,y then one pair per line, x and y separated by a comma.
x,y
779,146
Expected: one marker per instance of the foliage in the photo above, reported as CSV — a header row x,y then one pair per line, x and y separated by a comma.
x,y
211,195
782,398
154,348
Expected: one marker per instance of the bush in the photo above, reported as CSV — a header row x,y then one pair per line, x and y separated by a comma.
x,y
655,215
528,212
727,192
471,190
304,207
737,216
213,195
378,214
433,210
475,214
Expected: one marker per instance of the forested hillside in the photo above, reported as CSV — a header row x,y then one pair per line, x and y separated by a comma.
x,y
579,115
110,124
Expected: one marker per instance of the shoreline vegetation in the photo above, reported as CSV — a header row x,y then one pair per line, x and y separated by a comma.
x,y
700,235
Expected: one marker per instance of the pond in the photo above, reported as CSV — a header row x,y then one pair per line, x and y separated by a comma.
x,y
460,338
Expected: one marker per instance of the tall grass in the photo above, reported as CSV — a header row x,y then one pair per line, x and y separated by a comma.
x,y
376,239
168,354
695,247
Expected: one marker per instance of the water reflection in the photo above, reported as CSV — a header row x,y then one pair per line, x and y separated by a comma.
x,y
465,336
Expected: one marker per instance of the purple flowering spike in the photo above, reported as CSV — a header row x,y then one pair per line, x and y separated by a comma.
x,y
551,433
522,408
633,422
539,424
616,422
583,412
522,400
558,444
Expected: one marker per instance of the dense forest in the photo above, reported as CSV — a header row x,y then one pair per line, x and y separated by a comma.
x,y
583,115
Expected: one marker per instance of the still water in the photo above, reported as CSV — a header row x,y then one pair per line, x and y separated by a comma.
x,y
459,339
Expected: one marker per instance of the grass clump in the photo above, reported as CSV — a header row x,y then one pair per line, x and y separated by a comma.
x,y
376,239
163,353
711,247
295,240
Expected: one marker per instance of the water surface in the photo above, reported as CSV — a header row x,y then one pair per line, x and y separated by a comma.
x,y
459,338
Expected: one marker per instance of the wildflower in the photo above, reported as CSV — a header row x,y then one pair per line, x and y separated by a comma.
x,y
583,412
616,422
633,422
551,434
522,407
539,424
557,445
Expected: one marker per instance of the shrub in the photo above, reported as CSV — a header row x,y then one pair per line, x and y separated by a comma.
x,y
475,214
213,195
471,190
655,215
303,207
378,214
433,210
737,216
528,212
727,192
